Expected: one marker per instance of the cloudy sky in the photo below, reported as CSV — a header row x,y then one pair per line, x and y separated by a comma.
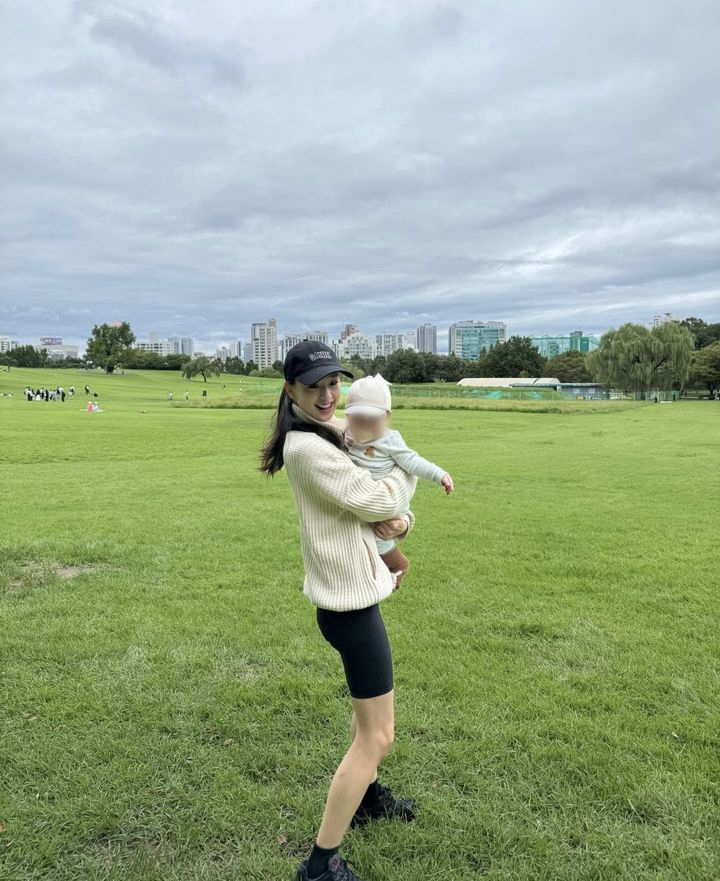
x,y
193,167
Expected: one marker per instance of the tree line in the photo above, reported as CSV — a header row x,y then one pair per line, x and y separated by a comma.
x,y
674,355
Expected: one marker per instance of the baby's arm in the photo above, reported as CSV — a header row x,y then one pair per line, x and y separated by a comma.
x,y
412,462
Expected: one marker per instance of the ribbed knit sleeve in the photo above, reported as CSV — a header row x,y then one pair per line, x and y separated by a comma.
x,y
334,476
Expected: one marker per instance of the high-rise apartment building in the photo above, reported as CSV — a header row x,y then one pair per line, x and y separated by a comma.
x,y
182,345
426,336
387,343
154,344
318,336
661,319
291,339
410,340
356,343
264,343
287,342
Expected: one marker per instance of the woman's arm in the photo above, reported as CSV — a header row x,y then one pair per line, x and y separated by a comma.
x,y
331,473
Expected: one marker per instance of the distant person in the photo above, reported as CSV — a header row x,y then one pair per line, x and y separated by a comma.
x,y
204,394
87,389
72,391
345,581
170,396
187,395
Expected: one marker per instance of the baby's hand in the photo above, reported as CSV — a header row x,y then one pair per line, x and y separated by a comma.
x,y
447,482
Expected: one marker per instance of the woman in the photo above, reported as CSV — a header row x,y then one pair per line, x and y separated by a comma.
x,y
346,580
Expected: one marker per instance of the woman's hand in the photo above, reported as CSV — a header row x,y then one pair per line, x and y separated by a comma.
x,y
391,528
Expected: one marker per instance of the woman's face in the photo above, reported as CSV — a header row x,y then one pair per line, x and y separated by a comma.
x,y
318,400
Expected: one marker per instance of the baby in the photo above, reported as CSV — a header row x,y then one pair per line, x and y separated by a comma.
x,y
373,445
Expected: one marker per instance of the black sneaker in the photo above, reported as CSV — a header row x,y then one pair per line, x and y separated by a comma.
x,y
386,805
338,870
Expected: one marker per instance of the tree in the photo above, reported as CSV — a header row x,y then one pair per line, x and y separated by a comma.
x,y
277,366
377,365
234,366
703,332
176,361
634,358
705,369
406,365
107,346
250,366
27,356
449,368
568,367
514,357
355,367
201,366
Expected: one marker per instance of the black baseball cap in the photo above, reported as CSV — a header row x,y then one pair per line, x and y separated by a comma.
x,y
309,361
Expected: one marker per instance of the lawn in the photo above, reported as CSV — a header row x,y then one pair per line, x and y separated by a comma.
x,y
169,709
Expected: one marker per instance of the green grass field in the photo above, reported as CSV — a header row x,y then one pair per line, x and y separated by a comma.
x,y
171,711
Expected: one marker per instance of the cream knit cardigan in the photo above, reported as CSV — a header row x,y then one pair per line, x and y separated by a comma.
x,y
337,501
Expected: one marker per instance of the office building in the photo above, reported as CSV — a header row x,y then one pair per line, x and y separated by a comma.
x,y
469,339
56,349
577,341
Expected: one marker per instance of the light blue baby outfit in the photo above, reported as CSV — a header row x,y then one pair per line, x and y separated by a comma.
x,y
381,454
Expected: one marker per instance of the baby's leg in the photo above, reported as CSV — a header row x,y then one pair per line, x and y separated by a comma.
x,y
396,561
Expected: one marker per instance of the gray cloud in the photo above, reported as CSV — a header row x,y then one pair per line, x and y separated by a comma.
x,y
193,169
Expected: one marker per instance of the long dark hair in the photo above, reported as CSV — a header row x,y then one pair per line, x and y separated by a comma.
x,y
283,421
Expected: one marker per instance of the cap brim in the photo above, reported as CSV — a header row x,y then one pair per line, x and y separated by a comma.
x,y
365,410
316,374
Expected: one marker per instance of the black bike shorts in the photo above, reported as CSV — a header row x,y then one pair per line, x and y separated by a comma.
x,y
360,637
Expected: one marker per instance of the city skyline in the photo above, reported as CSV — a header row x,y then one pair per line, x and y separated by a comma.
x,y
385,164
249,348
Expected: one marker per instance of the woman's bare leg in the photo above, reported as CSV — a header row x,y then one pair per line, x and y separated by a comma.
x,y
353,732
374,735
